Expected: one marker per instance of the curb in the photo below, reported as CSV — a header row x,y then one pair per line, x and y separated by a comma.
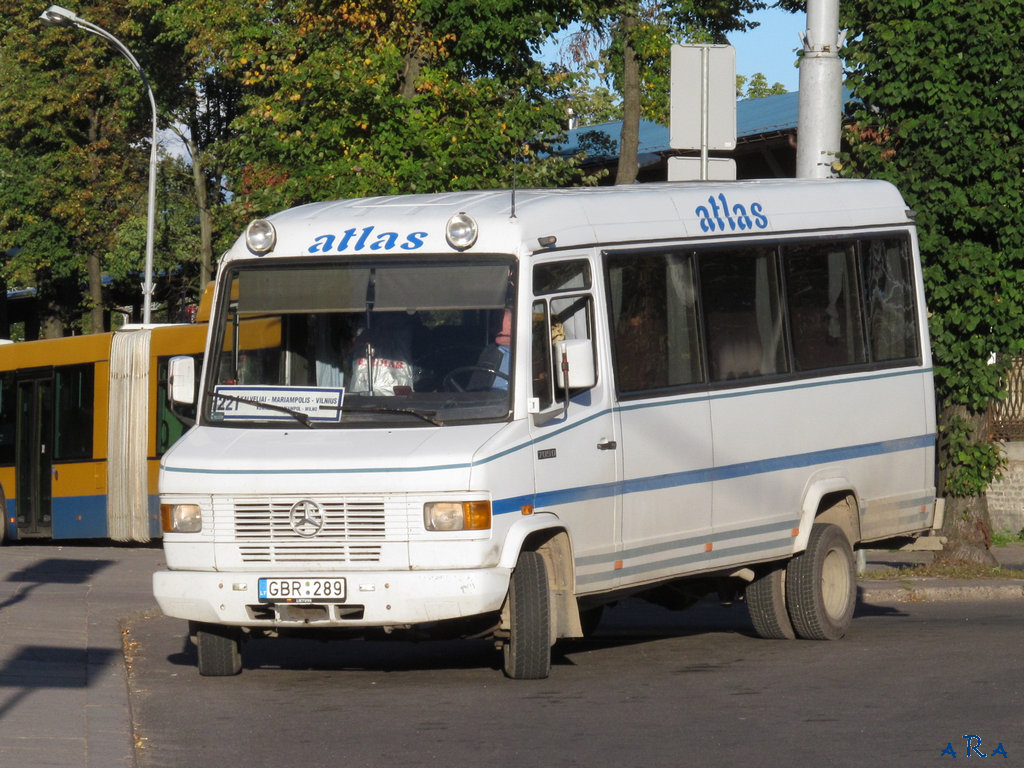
x,y
935,590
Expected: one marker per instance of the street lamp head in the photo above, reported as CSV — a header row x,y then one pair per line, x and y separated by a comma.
x,y
57,16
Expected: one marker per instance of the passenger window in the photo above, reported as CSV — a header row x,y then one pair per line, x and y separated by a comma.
x,y
889,299
743,313
822,293
654,321
74,412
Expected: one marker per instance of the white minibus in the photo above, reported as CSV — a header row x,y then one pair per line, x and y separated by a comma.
x,y
492,413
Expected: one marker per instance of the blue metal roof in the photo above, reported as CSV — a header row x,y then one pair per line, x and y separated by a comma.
x,y
754,117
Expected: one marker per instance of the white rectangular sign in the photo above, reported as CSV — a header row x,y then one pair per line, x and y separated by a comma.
x,y
278,403
703,76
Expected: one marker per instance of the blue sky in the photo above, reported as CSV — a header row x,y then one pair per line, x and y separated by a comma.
x,y
771,47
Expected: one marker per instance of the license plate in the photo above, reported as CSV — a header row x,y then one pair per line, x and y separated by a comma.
x,y
301,590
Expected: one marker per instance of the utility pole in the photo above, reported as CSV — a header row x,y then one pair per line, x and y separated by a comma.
x,y
820,114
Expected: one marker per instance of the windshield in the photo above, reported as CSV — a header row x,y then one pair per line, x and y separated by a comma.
x,y
344,344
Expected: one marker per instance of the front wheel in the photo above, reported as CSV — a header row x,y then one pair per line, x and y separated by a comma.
x,y
527,651
220,650
821,585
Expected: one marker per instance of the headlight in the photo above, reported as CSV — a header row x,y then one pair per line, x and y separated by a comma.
x,y
461,231
457,515
260,236
181,518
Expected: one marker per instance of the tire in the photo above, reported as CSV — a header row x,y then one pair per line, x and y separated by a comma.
x,y
821,585
766,602
527,651
219,649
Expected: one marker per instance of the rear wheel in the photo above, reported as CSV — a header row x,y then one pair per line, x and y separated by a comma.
x,y
766,602
821,585
527,651
220,650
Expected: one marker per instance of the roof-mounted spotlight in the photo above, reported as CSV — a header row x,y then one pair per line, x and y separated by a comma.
x,y
461,231
260,236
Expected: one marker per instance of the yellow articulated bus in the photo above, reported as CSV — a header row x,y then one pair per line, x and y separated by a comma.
x,y
83,423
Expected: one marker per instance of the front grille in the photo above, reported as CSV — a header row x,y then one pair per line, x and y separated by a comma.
x,y
355,529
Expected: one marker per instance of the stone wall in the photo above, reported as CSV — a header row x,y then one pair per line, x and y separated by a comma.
x,y
1006,497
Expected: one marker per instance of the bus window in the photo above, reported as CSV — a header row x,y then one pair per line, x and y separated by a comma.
x,y
560,276
74,412
653,320
8,418
169,427
822,294
743,313
889,299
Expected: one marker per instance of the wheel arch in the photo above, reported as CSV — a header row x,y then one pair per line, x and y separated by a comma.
x,y
829,499
547,535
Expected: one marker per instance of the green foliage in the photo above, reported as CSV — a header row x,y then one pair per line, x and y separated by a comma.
x,y
73,121
604,39
940,92
969,464
282,104
757,87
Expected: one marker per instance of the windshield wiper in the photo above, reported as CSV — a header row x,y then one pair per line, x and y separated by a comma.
x,y
428,416
299,416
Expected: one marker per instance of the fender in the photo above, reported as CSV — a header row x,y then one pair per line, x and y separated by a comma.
x,y
522,529
556,548
818,487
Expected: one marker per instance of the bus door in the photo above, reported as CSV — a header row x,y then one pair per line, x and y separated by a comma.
x,y
34,454
663,412
576,457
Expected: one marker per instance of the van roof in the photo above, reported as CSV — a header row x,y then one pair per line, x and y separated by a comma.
x,y
582,216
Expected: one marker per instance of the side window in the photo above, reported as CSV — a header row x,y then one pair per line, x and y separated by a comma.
x,y
558,316
823,297
8,418
543,373
74,412
743,313
889,299
654,324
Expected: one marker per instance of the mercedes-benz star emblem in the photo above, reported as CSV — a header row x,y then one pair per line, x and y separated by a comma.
x,y
306,518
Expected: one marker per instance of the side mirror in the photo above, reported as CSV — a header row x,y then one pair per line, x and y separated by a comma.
x,y
575,357
181,380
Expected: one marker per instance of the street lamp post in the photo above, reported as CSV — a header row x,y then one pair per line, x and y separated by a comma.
x,y
62,17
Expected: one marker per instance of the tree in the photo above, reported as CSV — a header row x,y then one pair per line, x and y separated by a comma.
x,y
635,37
757,87
351,97
72,117
939,92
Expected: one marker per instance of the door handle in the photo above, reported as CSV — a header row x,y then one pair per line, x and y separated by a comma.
x,y
604,444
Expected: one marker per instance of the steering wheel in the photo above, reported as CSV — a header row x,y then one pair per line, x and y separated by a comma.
x,y
448,383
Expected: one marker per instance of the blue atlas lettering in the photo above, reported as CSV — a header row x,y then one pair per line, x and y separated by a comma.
x,y
366,238
718,215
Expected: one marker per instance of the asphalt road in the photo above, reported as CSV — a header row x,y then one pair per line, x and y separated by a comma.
x,y
652,688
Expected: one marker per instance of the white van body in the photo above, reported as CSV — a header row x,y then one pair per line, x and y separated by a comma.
x,y
750,397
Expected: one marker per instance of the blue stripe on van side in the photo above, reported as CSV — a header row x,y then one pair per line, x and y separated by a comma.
x,y
712,474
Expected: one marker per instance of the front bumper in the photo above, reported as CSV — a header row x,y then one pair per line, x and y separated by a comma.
x,y
373,599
